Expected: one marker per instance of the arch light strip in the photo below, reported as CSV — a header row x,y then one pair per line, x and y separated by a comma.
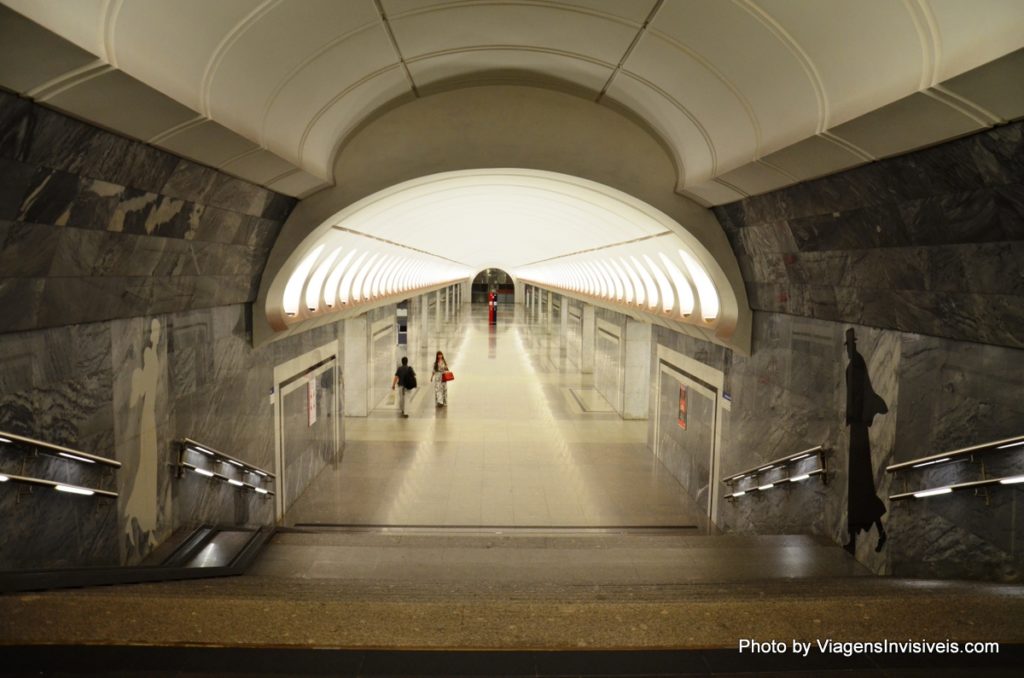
x,y
627,284
649,287
371,287
681,284
668,297
316,281
607,276
345,290
334,279
638,287
705,288
297,280
616,281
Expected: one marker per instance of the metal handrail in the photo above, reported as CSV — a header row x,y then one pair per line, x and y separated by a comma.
x,y
776,483
775,463
213,475
189,443
60,487
947,489
59,450
1017,441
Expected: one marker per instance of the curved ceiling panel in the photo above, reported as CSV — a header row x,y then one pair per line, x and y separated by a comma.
x,y
487,64
292,33
163,42
321,82
854,47
690,86
331,125
450,26
957,25
786,107
723,83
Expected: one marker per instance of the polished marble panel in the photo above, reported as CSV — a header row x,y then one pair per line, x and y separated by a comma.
x,y
928,242
104,227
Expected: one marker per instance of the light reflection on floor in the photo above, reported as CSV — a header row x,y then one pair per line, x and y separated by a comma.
x,y
511,449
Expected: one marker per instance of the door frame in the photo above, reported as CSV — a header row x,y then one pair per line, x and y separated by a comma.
x,y
285,374
676,365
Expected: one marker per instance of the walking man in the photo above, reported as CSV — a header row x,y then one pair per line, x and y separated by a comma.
x,y
405,378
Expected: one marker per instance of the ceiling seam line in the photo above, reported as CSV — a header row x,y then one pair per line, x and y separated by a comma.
x,y
629,50
398,244
963,105
111,9
174,129
69,80
224,46
598,249
394,45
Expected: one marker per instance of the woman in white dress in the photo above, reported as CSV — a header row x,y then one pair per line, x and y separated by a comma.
x,y
440,385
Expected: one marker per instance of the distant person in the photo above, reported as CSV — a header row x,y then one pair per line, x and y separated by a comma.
x,y
405,377
440,385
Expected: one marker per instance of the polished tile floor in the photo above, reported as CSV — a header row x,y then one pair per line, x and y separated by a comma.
x,y
525,441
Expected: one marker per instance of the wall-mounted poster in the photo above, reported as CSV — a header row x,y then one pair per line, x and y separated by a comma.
x,y
311,400
682,408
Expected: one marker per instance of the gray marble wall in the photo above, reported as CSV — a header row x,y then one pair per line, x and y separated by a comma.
x,y
129,389
123,274
94,226
931,242
791,395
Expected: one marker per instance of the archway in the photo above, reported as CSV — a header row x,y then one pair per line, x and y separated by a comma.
x,y
492,280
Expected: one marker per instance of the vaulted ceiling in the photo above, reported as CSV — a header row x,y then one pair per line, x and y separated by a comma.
x,y
746,95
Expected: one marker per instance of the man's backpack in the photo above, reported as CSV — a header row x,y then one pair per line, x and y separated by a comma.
x,y
410,379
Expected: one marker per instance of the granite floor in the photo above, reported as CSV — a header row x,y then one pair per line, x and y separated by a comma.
x,y
525,441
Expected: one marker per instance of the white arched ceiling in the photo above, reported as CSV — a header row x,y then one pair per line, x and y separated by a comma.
x,y
748,95
545,228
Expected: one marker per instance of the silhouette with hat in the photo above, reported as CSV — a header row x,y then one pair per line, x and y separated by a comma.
x,y
864,508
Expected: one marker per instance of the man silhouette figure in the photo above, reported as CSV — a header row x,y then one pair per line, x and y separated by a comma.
x,y
864,508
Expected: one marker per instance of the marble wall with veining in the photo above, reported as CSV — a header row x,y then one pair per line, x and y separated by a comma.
x,y
790,395
58,385
953,396
931,242
131,390
94,226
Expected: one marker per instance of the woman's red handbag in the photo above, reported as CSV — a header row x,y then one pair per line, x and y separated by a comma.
x,y
447,376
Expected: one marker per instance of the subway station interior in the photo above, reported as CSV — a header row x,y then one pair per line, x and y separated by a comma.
x,y
730,294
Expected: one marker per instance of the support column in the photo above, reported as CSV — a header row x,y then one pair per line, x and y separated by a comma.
x,y
563,330
588,338
636,378
423,321
437,307
357,366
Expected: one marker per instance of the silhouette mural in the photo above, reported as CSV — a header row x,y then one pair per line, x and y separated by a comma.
x,y
864,508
